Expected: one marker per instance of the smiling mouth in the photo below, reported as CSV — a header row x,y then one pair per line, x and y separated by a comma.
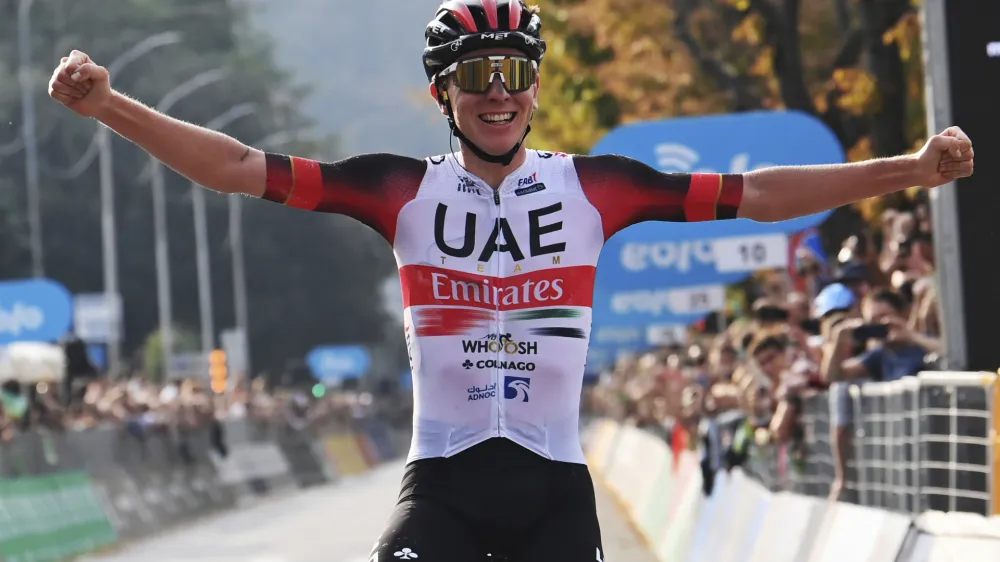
x,y
497,118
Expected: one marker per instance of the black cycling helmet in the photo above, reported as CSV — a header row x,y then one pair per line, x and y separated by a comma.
x,y
463,26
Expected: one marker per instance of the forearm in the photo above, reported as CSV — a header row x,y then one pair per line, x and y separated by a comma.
x,y
206,157
787,192
833,358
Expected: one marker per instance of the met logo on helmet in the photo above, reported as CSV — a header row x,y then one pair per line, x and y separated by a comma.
x,y
535,232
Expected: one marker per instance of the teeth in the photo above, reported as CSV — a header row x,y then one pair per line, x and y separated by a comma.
x,y
497,117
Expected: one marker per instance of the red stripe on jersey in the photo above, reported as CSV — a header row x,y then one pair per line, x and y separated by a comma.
x,y
515,14
450,321
307,184
564,286
702,197
464,15
490,7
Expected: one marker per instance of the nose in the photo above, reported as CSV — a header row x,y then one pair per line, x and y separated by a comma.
x,y
497,91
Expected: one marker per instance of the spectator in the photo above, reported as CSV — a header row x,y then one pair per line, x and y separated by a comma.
x,y
894,350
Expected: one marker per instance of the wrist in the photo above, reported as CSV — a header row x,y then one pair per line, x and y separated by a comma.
x,y
910,170
111,107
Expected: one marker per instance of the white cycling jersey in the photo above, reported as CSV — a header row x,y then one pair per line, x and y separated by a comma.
x,y
497,284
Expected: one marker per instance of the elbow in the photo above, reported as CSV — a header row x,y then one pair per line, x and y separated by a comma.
x,y
757,206
754,207
245,174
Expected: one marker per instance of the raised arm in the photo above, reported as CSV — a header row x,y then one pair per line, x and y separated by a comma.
x,y
626,192
206,157
786,192
371,188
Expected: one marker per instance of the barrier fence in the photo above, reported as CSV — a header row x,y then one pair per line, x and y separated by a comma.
x,y
68,493
920,447
920,443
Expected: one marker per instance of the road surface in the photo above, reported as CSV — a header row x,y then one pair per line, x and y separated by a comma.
x,y
335,523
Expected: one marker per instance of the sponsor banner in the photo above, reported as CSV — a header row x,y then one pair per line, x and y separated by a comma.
x,y
334,363
51,518
655,257
785,528
35,310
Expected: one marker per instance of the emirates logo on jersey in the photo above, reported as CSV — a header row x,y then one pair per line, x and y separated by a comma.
x,y
565,286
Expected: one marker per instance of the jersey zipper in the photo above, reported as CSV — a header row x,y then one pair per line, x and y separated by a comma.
x,y
499,328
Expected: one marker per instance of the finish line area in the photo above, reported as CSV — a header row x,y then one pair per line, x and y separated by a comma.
x,y
333,523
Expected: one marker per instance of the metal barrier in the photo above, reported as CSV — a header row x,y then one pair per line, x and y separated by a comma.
x,y
740,520
67,493
930,442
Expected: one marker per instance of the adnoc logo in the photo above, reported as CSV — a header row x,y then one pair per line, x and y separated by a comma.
x,y
34,310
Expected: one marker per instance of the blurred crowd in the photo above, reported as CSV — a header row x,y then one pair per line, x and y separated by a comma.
x,y
868,314
143,407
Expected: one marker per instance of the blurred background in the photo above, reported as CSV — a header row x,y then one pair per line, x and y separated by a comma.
x,y
138,308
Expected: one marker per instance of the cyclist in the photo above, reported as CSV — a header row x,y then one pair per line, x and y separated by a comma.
x,y
496,247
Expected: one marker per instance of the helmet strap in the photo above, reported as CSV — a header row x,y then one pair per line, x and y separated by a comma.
x,y
503,159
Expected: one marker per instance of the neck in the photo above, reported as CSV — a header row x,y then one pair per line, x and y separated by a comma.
x,y
492,174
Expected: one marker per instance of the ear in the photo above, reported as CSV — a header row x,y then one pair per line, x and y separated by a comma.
x,y
434,94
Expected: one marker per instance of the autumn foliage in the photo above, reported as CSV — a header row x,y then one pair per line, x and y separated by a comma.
x,y
854,64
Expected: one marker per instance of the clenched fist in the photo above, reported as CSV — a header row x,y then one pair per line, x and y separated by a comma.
x,y
946,157
81,85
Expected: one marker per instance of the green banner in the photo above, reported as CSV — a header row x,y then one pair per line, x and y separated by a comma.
x,y
51,518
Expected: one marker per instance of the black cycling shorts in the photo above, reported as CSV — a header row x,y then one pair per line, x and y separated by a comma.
x,y
495,502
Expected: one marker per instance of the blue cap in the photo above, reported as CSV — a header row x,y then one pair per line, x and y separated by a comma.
x,y
835,296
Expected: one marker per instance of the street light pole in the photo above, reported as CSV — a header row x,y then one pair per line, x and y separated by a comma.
x,y
205,305
106,167
28,133
236,240
163,299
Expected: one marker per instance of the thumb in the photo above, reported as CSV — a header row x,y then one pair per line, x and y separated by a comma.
x,y
952,145
89,71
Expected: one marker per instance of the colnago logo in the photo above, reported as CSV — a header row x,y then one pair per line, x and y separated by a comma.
x,y
564,286
19,318
496,346
681,256
528,180
468,244
516,388
494,364
676,157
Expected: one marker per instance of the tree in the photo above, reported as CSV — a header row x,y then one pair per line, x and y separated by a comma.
x,y
854,65
299,294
